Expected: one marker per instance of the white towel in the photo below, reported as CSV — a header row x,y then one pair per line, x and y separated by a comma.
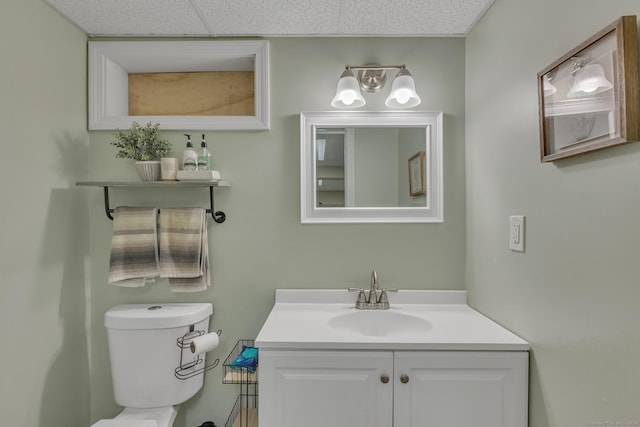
x,y
184,249
134,247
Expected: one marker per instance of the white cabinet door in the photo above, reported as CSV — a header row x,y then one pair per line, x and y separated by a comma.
x,y
460,389
325,388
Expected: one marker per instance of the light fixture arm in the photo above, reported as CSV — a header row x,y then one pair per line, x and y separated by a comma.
x,y
372,77
577,65
375,67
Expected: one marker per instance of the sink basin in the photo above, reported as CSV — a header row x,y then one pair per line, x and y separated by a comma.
x,y
379,323
326,319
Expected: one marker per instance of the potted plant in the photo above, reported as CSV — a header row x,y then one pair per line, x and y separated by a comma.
x,y
144,145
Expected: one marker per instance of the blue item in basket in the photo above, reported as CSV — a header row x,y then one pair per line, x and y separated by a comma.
x,y
248,358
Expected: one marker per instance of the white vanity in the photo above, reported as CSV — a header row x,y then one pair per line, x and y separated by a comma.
x,y
430,360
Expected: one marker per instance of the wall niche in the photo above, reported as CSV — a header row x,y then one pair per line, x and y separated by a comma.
x,y
207,85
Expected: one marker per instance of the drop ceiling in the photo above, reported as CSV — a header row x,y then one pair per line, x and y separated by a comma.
x,y
232,18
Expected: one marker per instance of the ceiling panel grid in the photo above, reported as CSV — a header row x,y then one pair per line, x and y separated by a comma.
x,y
282,18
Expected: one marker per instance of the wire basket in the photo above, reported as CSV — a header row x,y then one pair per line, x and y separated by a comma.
x,y
245,412
245,409
236,374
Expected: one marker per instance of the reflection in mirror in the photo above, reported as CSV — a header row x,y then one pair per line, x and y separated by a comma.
x,y
330,167
371,167
379,177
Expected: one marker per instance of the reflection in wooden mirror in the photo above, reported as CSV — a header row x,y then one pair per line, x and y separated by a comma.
x,y
360,167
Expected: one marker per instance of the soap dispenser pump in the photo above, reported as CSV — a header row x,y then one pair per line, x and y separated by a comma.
x,y
189,156
204,159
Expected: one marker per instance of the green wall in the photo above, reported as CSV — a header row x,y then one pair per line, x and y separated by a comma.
x,y
574,293
262,245
44,379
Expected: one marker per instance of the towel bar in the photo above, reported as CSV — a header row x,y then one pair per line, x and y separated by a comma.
x,y
218,216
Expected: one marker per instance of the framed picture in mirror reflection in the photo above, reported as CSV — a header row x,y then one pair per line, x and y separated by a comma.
x,y
588,98
416,174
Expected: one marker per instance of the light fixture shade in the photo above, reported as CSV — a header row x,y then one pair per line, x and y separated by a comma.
x,y
348,92
403,91
589,80
547,87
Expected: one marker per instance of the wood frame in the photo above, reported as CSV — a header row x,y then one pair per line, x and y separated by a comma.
x,y
416,174
580,122
110,63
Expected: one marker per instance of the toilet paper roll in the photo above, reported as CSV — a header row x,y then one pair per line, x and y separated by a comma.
x,y
204,343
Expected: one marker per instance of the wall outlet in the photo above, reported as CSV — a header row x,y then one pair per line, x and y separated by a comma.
x,y
516,233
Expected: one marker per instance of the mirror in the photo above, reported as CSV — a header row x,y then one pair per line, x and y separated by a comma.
x,y
371,167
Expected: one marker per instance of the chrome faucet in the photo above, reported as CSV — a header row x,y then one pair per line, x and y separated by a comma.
x,y
373,292
373,301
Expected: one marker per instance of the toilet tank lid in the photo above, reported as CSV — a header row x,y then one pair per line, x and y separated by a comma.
x,y
156,316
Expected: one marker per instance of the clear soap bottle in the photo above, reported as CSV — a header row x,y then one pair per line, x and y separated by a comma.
x,y
204,159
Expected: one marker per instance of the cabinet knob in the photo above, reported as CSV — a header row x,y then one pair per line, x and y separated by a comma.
x,y
384,378
404,378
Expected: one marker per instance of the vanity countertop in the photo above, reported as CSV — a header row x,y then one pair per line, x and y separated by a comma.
x,y
417,320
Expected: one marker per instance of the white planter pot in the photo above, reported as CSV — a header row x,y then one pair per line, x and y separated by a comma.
x,y
148,170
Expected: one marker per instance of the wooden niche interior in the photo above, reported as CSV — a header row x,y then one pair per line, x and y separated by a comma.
x,y
206,93
184,84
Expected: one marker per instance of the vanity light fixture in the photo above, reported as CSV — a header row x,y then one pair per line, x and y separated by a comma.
x,y
372,78
588,79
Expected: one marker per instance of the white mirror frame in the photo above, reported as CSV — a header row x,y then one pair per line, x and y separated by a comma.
x,y
110,62
431,121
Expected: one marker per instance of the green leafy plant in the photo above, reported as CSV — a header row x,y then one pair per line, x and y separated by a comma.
x,y
141,143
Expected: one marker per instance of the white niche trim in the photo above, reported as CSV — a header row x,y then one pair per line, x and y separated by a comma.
x,y
110,63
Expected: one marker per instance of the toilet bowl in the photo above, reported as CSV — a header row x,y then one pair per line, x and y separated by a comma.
x,y
145,353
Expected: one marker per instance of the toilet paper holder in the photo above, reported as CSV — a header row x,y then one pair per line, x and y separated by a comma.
x,y
189,368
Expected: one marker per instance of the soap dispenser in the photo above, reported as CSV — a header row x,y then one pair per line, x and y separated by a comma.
x,y
189,156
204,159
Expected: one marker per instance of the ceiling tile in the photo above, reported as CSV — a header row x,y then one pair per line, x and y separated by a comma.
x,y
274,17
126,17
271,17
411,17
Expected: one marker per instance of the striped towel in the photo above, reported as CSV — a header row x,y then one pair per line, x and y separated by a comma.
x,y
184,249
134,247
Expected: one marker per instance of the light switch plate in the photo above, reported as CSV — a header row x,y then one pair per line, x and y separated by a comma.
x,y
516,233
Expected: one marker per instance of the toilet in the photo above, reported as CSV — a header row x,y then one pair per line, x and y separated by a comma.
x,y
147,350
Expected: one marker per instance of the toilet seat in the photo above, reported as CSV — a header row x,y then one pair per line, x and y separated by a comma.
x,y
125,423
141,417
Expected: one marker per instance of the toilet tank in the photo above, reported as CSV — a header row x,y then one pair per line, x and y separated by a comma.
x,y
144,352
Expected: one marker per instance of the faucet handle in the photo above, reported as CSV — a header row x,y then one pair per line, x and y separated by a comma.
x,y
362,298
384,300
